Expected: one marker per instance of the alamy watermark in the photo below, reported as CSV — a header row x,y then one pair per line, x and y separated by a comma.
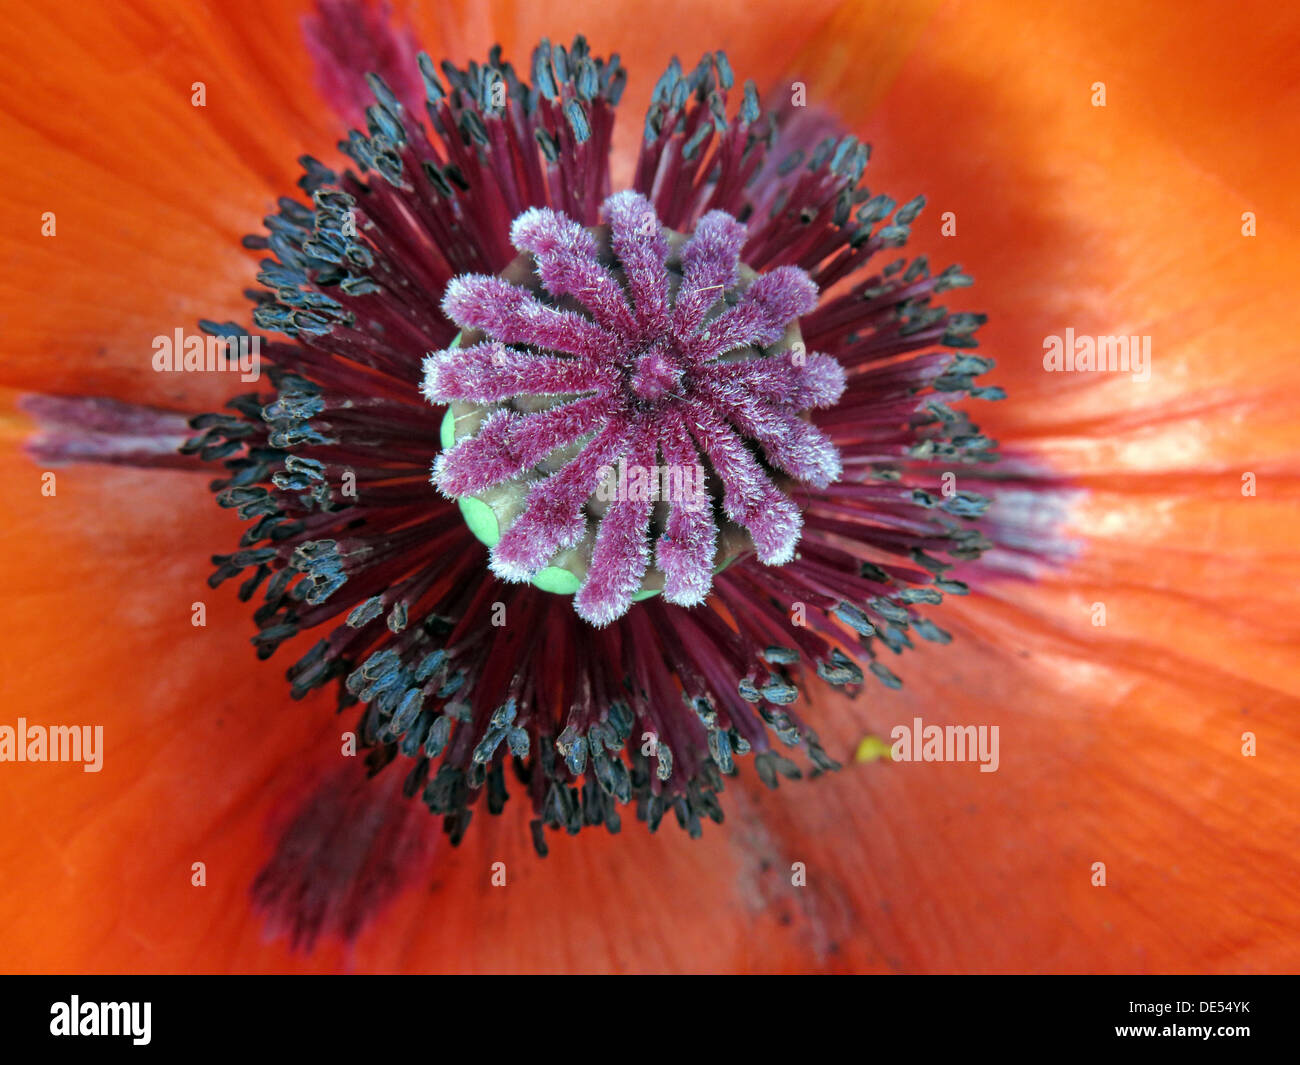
x,y
102,1018
1091,354
682,485
920,742
199,352
53,743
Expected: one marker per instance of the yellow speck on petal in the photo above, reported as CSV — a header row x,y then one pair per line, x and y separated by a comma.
x,y
872,749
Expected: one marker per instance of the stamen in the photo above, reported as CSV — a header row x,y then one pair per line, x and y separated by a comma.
x,y
674,325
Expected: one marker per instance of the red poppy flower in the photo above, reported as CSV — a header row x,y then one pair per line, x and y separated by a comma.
x,y
1104,173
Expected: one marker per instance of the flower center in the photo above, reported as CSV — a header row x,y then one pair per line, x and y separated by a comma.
x,y
656,374
545,402
593,375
